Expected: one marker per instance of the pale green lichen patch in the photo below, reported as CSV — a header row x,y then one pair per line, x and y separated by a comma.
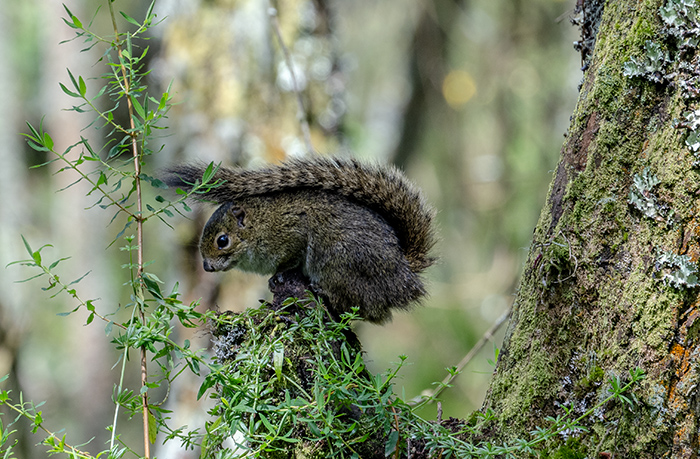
x,y
684,273
681,17
669,56
692,123
641,194
650,64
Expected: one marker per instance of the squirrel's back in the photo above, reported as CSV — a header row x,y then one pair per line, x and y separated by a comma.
x,y
383,189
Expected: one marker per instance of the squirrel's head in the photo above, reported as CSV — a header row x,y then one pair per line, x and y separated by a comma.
x,y
259,234
223,243
243,235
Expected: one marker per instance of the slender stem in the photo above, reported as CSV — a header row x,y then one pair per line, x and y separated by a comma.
x,y
119,391
139,227
465,360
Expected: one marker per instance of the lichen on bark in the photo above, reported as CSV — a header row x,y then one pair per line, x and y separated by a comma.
x,y
594,300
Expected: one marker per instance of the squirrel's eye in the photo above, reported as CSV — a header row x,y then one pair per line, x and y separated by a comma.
x,y
222,241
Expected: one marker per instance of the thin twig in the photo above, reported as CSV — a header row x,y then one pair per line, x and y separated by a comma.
x,y
81,302
463,363
139,226
301,111
397,452
74,452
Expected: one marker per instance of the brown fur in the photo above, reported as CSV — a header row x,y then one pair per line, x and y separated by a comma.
x,y
361,233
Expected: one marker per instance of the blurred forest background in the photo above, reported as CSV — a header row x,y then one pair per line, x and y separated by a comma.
x,y
471,98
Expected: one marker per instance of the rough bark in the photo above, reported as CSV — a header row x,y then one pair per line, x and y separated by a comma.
x,y
604,290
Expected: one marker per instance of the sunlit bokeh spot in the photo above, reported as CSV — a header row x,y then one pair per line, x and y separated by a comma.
x,y
458,88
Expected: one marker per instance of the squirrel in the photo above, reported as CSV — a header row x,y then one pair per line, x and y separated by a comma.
x,y
360,233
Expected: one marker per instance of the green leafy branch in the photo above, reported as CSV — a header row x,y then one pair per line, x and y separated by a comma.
x,y
154,335
55,282
149,327
29,411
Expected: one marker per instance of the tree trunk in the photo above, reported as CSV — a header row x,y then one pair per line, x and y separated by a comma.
x,y
611,281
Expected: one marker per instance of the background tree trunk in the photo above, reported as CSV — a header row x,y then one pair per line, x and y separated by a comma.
x,y
610,284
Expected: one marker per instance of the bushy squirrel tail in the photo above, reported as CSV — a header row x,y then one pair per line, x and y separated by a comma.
x,y
383,189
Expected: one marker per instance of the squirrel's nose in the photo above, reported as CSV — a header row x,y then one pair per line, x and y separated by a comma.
x,y
207,266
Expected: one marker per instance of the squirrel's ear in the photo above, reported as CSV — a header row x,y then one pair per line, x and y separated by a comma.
x,y
239,213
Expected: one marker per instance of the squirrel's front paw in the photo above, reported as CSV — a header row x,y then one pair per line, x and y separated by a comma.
x,y
275,281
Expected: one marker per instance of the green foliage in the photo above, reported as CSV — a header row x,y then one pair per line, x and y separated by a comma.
x,y
267,405
113,173
332,407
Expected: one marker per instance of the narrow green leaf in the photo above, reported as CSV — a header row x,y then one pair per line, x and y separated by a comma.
x,y
143,55
48,141
267,423
29,278
82,87
102,180
149,13
139,108
208,382
152,285
278,362
67,10
99,93
314,429
72,79
34,135
152,428
80,278
153,277
209,172
71,184
37,147
26,246
163,101
55,263
130,19
68,91
194,366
